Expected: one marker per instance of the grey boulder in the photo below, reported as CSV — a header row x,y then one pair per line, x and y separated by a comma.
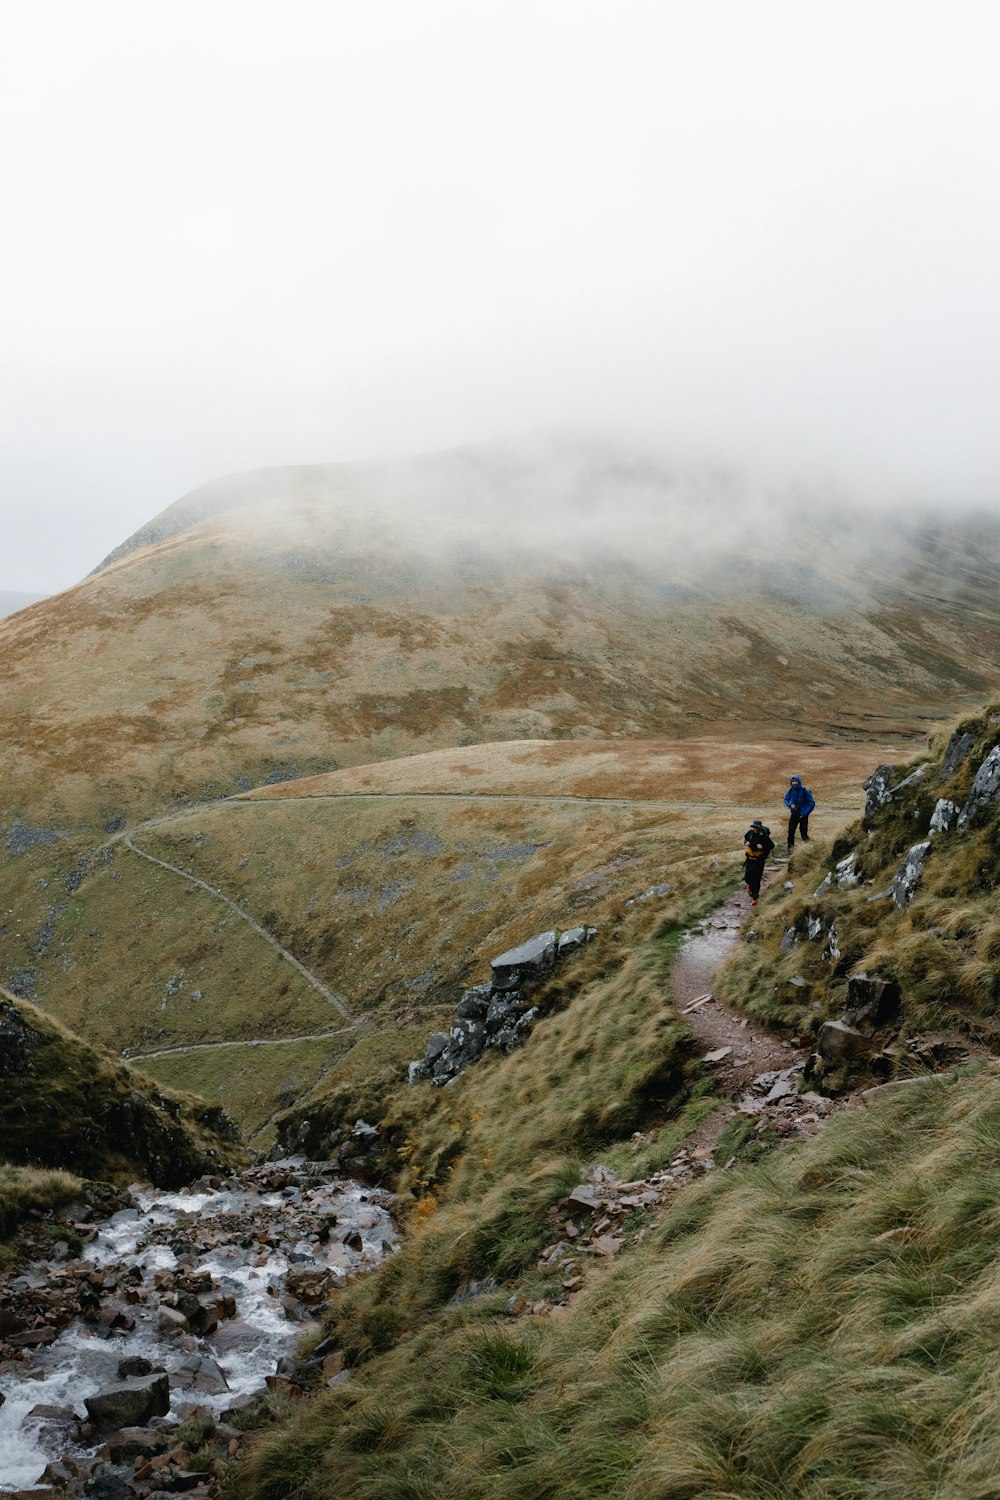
x,y
131,1404
840,1043
530,961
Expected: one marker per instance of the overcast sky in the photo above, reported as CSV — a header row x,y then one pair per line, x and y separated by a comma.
x,y
238,234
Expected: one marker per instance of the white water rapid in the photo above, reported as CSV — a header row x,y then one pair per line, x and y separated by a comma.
x,y
247,1238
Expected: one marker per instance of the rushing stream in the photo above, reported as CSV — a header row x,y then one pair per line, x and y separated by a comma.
x,y
251,1262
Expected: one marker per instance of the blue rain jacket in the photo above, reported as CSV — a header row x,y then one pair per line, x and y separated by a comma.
x,y
800,799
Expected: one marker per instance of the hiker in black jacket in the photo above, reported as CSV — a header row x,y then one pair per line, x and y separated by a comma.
x,y
757,845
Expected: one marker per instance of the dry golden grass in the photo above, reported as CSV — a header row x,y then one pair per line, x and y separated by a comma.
x,y
677,772
821,1324
393,901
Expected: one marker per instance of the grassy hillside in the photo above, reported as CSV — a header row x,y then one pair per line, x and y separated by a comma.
x,y
65,1104
821,1324
816,1320
392,884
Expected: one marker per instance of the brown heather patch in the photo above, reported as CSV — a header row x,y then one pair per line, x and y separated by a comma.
x,y
417,712
346,626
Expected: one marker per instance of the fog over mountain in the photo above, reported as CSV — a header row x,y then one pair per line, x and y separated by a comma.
x,y
758,238
11,601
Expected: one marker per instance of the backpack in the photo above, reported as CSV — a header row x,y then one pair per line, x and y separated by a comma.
x,y
758,843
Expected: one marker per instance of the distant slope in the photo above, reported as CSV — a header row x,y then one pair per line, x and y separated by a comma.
x,y
275,624
391,886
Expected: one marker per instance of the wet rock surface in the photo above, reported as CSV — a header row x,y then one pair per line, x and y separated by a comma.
x,y
178,1306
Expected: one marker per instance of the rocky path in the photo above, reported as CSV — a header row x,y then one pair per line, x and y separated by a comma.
x,y
758,1075
336,1000
752,1049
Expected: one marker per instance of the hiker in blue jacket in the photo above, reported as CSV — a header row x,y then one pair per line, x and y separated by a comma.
x,y
800,802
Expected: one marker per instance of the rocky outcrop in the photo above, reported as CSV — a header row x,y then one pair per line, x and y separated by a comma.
x,y
528,963
957,752
945,816
909,875
985,788
871,1001
908,784
497,1015
878,788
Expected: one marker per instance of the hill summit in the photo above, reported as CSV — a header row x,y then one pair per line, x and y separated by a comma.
x,y
291,621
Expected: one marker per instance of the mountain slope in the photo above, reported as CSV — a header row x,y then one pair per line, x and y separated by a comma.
x,y
298,620
66,1104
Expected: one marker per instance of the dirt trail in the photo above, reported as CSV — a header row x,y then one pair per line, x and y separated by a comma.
x,y
257,1041
335,1000
656,803
755,1050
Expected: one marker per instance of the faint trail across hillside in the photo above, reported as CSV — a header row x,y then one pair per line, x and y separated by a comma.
x,y
317,984
256,1041
737,811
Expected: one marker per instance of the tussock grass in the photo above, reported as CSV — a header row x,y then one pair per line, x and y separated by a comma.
x,y
24,1190
762,1340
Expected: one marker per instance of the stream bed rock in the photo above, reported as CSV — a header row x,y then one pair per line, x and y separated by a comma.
x,y
177,1303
